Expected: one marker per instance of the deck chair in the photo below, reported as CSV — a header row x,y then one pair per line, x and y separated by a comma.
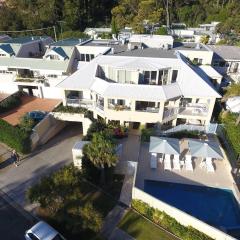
x,y
167,163
153,161
176,162
209,165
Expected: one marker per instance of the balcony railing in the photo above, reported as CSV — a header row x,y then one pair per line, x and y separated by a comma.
x,y
194,110
100,106
118,107
170,113
79,102
148,109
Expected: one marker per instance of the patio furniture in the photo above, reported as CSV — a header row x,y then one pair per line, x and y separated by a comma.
x,y
176,162
188,163
209,165
167,162
161,158
203,164
153,161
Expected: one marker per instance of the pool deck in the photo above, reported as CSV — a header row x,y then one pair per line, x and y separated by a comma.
x,y
221,178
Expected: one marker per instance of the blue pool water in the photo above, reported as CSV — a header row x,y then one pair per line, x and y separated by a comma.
x,y
217,207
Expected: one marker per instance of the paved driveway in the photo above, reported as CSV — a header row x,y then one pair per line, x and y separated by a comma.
x,y
50,157
13,222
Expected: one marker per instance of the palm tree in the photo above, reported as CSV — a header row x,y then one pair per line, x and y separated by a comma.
x,y
101,152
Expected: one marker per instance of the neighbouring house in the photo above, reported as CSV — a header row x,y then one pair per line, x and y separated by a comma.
x,y
233,104
96,32
226,60
142,86
152,41
37,64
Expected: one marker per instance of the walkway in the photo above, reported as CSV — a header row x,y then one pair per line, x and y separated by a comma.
x,y
126,166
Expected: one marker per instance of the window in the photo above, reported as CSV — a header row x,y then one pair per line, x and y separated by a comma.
x,y
153,77
91,56
52,76
54,57
146,77
87,58
2,55
32,236
82,57
174,76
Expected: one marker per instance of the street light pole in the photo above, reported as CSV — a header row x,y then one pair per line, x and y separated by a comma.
x,y
60,23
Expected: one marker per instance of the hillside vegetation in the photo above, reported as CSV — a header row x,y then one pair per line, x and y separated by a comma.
x,y
78,14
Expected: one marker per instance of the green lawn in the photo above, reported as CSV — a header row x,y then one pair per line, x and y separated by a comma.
x,y
141,229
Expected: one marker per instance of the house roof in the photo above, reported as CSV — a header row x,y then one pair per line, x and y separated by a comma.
x,y
69,42
193,83
189,82
34,64
210,71
225,52
7,48
60,52
23,40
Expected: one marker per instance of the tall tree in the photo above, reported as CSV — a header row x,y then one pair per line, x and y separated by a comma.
x,y
101,152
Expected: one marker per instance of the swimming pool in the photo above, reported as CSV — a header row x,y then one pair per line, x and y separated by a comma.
x,y
217,207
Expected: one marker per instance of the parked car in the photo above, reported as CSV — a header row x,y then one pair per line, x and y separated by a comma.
x,y
37,115
43,231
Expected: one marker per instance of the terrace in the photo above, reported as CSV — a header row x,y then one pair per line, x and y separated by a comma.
x,y
220,178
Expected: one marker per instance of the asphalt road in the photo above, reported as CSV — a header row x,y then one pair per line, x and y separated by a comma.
x,y
13,223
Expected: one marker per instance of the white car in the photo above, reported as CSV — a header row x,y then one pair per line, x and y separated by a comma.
x,y
43,231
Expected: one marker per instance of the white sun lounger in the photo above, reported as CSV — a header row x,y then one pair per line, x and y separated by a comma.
x,y
176,163
153,161
188,163
209,165
167,163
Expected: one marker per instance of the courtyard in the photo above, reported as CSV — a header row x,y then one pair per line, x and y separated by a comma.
x,y
220,178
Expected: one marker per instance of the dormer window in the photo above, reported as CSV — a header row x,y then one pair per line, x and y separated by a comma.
x,y
54,57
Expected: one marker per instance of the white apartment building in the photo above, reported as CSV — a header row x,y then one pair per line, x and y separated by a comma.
x,y
37,64
144,86
226,60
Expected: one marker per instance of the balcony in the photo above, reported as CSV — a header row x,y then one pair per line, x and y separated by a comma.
x,y
118,107
197,109
142,106
170,114
79,102
27,79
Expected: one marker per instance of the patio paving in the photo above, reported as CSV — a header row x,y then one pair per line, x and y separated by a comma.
x,y
29,104
221,178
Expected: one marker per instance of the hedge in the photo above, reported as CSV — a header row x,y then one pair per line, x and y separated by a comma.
x,y
167,222
10,103
15,137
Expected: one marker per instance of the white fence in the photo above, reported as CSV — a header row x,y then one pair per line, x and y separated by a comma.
x,y
211,128
180,216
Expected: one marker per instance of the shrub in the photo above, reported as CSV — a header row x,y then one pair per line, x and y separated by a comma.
x,y
27,123
186,134
68,109
15,137
169,223
146,133
10,103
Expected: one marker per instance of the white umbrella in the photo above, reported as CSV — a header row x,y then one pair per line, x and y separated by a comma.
x,y
204,149
164,145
